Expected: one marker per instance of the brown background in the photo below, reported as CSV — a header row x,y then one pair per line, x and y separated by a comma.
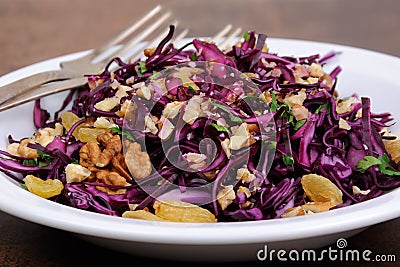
x,y
34,30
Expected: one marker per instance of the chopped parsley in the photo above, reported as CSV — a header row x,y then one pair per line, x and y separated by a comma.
x,y
246,36
382,162
219,128
194,57
191,90
232,117
128,135
299,124
287,160
43,160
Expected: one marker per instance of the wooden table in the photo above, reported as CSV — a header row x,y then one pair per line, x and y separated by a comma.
x,y
34,30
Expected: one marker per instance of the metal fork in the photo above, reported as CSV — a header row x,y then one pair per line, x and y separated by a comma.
x,y
223,38
71,73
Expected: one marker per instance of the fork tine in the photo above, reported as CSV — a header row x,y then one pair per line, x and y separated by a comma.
x,y
141,36
125,33
222,33
229,38
181,36
158,39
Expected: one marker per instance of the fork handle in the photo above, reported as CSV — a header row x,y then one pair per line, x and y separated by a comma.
x,y
43,91
20,86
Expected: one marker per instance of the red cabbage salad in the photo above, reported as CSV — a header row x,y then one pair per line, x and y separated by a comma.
x,y
202,133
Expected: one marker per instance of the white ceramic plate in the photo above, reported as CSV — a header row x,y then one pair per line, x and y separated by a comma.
x,y
366,73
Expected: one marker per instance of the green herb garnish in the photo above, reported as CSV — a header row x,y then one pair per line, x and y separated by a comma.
x,y
142,66
232,117
191,90
326,106
194,57
382,162
219,128
299,124
274,103
246,36
128,135
287,160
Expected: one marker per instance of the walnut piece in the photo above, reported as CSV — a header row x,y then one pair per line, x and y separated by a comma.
x,y
226,196
91,154
111,178
25,151
138,161
119,165
300,112
76,173
107,166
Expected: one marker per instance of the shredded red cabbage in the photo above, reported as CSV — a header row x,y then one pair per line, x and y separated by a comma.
x,y
316,132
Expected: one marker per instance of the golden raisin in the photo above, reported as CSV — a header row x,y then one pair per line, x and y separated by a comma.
x,y
321,189
141,215
43,188
89,134
179,211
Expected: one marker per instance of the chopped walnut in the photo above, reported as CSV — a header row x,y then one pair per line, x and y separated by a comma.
x,y
166,130
312,80
122,91
126,107
184,74
138,161
300,73
148,52
88,154
76,173
241,138
292,212
343,124
357,190
172,109
25,151
91,154
195,160
300,112
293,99
316,70
225,147
317,206
244,190
226,196
103,123
346,105
118,163
13,149
107,104
249,75
327,79
150,123
210,175
308,208
192,109
266,96
245,175
111,178
46,135
144,92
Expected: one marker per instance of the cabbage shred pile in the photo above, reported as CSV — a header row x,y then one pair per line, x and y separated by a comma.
x,y
316,132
